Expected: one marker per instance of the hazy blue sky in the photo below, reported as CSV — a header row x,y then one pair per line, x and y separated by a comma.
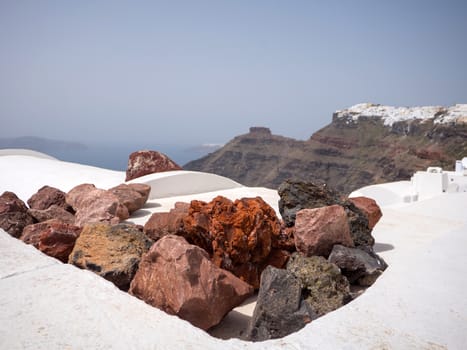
x,y
205,71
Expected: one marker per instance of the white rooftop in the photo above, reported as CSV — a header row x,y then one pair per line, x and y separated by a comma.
x,y
418,303
390,114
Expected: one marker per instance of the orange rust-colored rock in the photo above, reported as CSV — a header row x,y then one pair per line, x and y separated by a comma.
x,y
238,235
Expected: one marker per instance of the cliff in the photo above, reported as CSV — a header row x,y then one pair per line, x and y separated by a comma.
x,y
364,144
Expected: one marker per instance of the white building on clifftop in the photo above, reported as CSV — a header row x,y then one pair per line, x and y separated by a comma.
x,y
435,181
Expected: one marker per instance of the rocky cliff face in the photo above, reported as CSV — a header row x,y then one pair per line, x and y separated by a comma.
x,y
363,145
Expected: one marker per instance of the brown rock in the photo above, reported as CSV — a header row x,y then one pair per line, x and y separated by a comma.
x,y
370,208
14,214
239,235
111,251
163,224
52,212
146,162
54,238
324,287
132,197
317,230
46,197
95,205
179,278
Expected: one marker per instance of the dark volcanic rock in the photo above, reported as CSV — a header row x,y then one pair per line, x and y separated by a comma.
x,y
357,265
179,278
324,287
369,207
14,216
296,195
48,196
280,308
146,162
111,251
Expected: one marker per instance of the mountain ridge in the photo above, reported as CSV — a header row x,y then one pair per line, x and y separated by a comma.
x,y
356,149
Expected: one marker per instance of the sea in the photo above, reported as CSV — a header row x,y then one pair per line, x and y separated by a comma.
x,y
115,156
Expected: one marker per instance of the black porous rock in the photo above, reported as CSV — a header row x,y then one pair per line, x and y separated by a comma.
x,y
280,308
359,266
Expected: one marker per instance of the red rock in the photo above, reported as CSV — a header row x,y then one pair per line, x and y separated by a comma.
x,y
239,235
95,205
163,224
179,278
146,162
318,230
370,208
46,197
14,216
132,197
52,237
52,212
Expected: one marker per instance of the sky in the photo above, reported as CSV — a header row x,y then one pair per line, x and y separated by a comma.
x,y
205,71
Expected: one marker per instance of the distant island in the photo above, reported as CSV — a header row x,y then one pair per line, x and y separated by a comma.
x,y
41,144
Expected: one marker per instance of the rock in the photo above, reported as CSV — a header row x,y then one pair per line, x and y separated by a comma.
x,y
48,196
143,189
280,309
318,230
53,237
286,239
130,197
95,205
297,195
163,224
14,216
357,265
359,228
111,251
52,212
146,162
239,235
179,278
369,207
324,287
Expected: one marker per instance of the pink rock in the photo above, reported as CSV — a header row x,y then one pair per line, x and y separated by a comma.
x,y
146,162
179,279
52,237
318,230
95,205
370,208
52,212
14,216
163,224
46,197
133,196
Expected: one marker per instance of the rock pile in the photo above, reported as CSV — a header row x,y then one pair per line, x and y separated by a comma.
x,y
202,259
